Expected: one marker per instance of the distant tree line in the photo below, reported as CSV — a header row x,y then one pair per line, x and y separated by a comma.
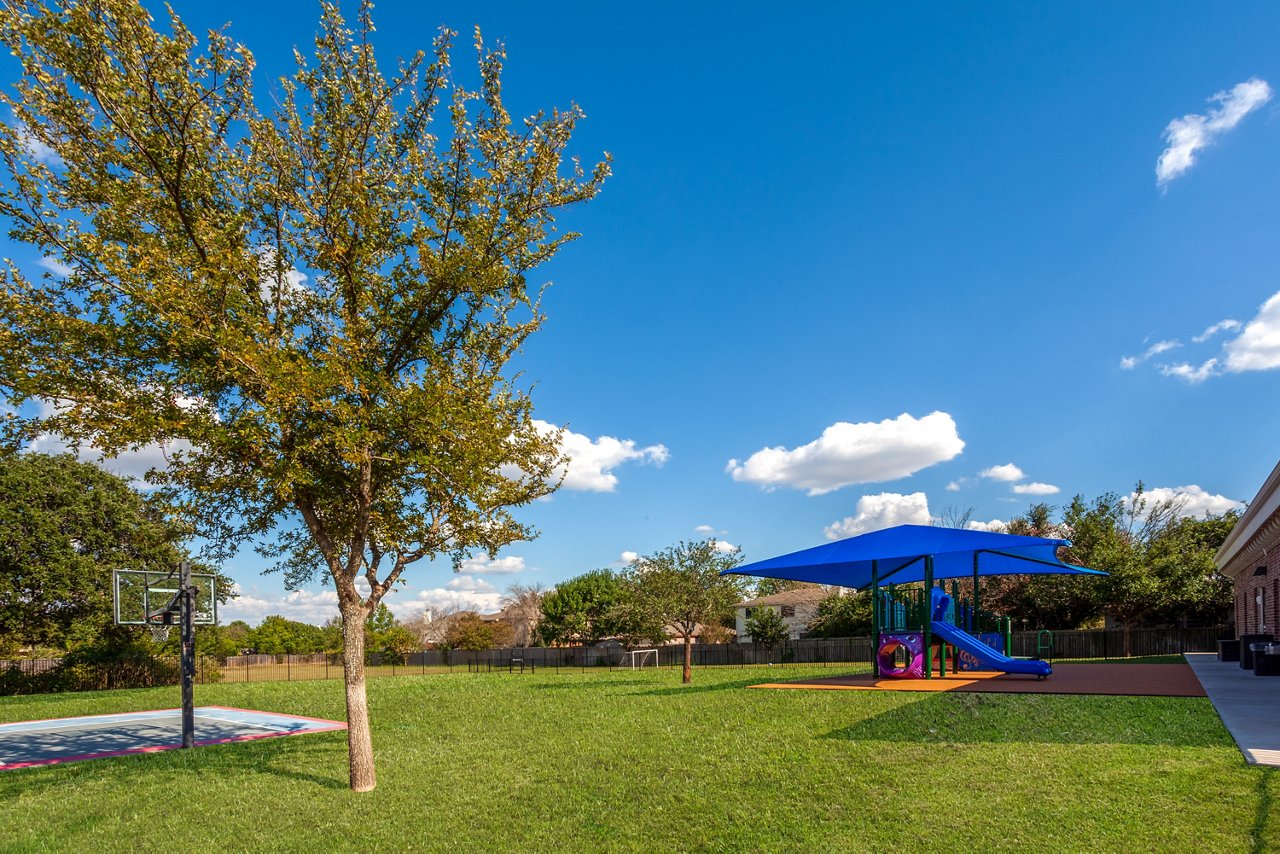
x,y
65,524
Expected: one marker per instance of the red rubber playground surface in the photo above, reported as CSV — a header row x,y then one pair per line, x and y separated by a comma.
x,y
28,744
1130,680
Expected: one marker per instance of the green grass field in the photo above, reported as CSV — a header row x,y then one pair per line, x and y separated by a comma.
x,y
628,761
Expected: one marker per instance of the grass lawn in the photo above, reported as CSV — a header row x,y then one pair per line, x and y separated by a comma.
x,y
632,760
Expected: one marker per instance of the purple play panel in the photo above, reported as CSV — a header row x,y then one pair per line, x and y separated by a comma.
x,y
30,743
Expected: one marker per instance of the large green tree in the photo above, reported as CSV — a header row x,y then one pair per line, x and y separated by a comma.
x,y
313,304
64,526
581,609
681,587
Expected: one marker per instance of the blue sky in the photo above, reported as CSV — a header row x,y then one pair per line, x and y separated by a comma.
x,y
941,227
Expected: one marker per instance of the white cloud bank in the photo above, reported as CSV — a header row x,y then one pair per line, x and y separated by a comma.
x,y
1193,500
885,510
1256,348
485,565
1187,135
592,461
846,454
995,526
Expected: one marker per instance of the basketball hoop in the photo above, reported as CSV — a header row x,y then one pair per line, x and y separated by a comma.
x,y
160,624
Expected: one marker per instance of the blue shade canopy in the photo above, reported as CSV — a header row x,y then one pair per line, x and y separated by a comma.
x,y
899,554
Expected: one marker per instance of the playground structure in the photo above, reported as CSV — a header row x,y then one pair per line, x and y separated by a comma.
x,y
909,620
896,559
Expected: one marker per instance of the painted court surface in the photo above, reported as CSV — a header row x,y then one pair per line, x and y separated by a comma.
x,y
30,743
1134,680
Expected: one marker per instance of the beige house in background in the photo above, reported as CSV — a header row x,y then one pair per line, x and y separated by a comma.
x,y
797,607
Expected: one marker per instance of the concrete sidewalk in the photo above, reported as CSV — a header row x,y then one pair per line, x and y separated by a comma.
x,y
1249,705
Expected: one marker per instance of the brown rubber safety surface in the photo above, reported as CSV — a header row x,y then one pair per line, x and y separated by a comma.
x,y
1133,680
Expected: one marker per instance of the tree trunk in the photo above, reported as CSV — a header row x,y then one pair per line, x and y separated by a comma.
x,y
359,739
688,659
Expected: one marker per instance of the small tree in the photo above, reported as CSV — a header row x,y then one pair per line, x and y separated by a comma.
x,y
681,587
523,607
842,615
468,631
766,627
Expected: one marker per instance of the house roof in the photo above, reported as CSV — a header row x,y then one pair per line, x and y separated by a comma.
x,y
1257,532
798,596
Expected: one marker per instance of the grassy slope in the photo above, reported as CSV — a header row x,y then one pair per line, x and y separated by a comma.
x,y
624,761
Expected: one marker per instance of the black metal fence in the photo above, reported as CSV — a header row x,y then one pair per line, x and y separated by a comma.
x,y
38,676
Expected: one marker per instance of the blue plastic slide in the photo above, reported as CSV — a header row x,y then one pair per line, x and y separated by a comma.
x,y
985,655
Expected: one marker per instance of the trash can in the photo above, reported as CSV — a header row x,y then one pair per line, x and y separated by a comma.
x,y
1228,650
1246,652
1266,659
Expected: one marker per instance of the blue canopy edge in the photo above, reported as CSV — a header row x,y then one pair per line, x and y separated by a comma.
x,y
898,554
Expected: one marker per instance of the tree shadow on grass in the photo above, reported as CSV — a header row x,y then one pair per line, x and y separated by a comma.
x,y
579,685
964,718
698,688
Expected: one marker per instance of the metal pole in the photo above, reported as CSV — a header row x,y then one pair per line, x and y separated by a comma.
x,y
875,618
974,627
188,631
928,616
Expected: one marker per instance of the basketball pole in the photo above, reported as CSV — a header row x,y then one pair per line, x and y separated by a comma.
x,y
187,632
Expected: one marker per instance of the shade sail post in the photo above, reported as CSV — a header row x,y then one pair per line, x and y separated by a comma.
x,y
875,618
928,616
973,603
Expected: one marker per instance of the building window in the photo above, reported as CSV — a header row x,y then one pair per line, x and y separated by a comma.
x,y
747,612
788,610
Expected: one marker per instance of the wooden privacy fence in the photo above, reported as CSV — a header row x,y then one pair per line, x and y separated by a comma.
x,y
37,676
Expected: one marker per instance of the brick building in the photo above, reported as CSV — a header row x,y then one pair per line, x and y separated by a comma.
x,y
1250,556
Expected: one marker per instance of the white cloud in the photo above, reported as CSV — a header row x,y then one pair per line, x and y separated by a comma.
x,y
1257,347
444,598
704,529
470,584
1193,500
290,285
37,149
995,526
847,454
56,267
953,486
1193,375
1006,473
1036,489
885,510
627,558
1130,362
725,548
1189,134
482,564
133,464
303,605
591,461
1227,325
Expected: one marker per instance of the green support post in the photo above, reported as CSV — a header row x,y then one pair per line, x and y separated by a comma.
x,y
875,618
973,612
924,605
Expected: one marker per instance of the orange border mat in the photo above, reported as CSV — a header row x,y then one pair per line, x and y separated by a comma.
x,y
1132,680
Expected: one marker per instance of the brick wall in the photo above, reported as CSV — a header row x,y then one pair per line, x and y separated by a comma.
x,y
1249,621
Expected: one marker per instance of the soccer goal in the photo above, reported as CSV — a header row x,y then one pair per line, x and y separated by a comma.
x,y
638,658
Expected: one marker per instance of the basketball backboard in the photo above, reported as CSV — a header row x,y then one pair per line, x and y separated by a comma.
x,y
143,597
